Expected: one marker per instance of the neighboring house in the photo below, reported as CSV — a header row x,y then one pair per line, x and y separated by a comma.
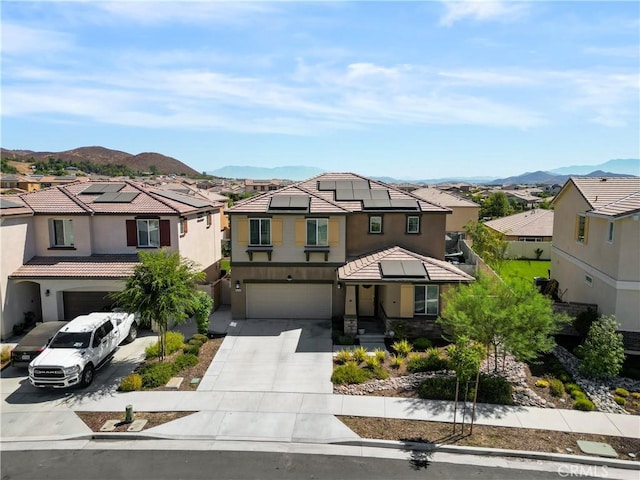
x,y
259,186
340,245
463,210
65,248
29,183
524,198
526,232
595,256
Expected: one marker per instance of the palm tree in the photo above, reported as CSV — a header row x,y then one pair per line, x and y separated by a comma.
x,y
161,288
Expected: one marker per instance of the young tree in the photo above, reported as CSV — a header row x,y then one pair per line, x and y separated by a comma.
x,y
162,288
487,243
202,309
603,349
509,316
496,205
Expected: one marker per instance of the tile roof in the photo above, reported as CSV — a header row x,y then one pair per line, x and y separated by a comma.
x,y
95,266
445,199
12,205
532,223
613,196
324,201
70,199
367,269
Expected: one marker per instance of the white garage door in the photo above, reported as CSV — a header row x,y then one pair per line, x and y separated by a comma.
x,y
289,300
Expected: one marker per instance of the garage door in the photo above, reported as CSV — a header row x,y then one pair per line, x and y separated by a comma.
x,y
81,303
288,301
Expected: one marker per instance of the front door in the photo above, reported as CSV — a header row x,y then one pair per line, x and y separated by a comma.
x,y
366,300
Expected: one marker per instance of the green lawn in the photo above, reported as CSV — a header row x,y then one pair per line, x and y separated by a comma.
x,y
525,268
225,264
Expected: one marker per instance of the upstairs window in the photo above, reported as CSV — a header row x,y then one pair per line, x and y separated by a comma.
x,y
61,233
148,232
259,231
610,233
375,224
208,219
581,229
413,224
182,226
318,231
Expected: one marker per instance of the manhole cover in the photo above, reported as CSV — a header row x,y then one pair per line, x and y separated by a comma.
x,y
597,448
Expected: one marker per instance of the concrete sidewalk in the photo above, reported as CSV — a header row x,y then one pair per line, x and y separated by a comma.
x,y
241,398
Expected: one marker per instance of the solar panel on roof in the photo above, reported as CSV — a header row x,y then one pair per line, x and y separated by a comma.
x,y
379,194
344,195
116,197
8,204
97,188
394,204
289,202
324,185
402,269
192,202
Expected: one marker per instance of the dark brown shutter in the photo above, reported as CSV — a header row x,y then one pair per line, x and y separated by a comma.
x,y
186,223
165,233
132,233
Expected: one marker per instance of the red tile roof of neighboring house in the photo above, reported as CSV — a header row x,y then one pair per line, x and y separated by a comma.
x,y
95,266
367,267
532,223
324,201
12,205
71,199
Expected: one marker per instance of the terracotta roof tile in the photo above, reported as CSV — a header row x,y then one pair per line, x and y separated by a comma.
x,y
95,266
366,268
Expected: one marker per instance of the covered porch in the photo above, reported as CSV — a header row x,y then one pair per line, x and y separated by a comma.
x,y
396,292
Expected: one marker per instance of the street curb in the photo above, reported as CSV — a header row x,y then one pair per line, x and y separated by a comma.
x,y
495,452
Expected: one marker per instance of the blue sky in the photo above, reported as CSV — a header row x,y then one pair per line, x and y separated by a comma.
x,y
410,90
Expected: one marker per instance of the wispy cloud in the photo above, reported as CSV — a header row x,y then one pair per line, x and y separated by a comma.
x,y
20,40
630,51
481,10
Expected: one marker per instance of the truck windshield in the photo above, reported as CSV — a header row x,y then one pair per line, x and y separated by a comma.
x,y
71,340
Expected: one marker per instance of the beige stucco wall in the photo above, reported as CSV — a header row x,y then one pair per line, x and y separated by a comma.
x,y
202,244
81,236
627,236
274,273
109,234
288,251
460,217
430,241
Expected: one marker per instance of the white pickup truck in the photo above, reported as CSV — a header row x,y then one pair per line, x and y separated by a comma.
x,y
81,347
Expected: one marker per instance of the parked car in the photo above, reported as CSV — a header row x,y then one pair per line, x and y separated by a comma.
x,y
33,343
80,348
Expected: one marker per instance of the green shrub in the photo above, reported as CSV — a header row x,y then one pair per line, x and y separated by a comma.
x,y
620,400
579,351
494,390
542,384
564,377
202,309
422,343
156,374
578,394
371,362
184,361
200,337
191,349
584,404
131,383
195,341
380,354
379,372
556,387
350,373
429,363
603,349
173,341
570,387
396,362
5,354
636,395
621,392
359,354
402,348
583,321
344,356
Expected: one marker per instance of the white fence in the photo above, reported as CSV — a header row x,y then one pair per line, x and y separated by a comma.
x,y
527,250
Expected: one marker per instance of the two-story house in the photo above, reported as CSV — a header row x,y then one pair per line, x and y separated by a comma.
x,y
595,255
340,245
65,248
463,211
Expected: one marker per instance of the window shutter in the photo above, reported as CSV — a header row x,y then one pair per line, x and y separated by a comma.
x,y
185,225
165,233
301,232
576,228
132,233
586,229
334,232
242,235
276,231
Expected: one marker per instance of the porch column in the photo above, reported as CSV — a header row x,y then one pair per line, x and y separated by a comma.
x,y
350,311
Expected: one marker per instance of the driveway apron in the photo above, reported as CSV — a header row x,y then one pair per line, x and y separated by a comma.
x,y
292,356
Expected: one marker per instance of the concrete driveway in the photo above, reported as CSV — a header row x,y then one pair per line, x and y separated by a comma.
x,y
293,356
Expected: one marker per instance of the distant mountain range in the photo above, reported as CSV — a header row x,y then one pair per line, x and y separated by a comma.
x,y
295,172
141,162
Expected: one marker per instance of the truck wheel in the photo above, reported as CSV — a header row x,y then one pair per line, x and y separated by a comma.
x,y
87,376
133,333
